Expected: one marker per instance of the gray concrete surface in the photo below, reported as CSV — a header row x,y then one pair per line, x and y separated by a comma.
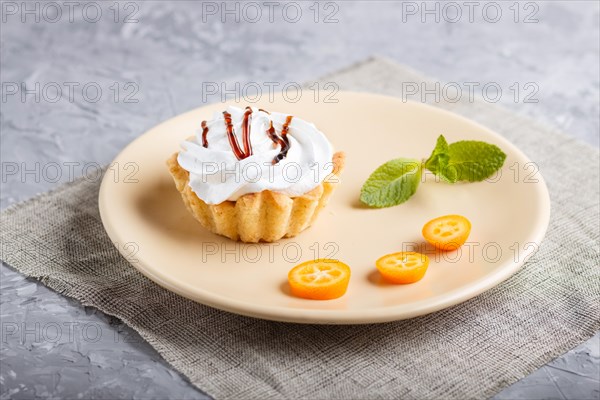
x,y
152,60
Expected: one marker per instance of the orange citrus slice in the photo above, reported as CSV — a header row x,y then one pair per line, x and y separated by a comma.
x,y
321,279
404,267
448,232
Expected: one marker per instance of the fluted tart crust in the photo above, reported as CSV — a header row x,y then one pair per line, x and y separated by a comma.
x,y
265,216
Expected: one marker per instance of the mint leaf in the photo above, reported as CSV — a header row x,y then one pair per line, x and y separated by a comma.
x,y
467,160
473,161
441,146
438,160
392,183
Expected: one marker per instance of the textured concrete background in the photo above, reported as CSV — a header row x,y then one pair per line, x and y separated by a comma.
x,y
103,79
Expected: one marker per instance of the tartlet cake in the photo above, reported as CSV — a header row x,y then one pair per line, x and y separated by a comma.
x,y
256,209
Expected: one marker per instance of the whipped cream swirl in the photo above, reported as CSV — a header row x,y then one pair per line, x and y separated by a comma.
x,y
216,174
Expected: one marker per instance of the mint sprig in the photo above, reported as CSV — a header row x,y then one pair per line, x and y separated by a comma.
x,y
392,183
465,161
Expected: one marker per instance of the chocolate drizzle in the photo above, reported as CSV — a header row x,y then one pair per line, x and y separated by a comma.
x,y
204,133
247,152
239,154
278,140
246,132
284,131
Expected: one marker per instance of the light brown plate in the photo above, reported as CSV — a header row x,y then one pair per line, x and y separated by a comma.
x,y
144,216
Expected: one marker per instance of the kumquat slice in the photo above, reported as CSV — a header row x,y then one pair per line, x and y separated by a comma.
x,y
321,279
448,232
404,267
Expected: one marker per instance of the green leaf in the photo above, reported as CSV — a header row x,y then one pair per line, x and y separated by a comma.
x,y
467,160
392,183
473,161
438,160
